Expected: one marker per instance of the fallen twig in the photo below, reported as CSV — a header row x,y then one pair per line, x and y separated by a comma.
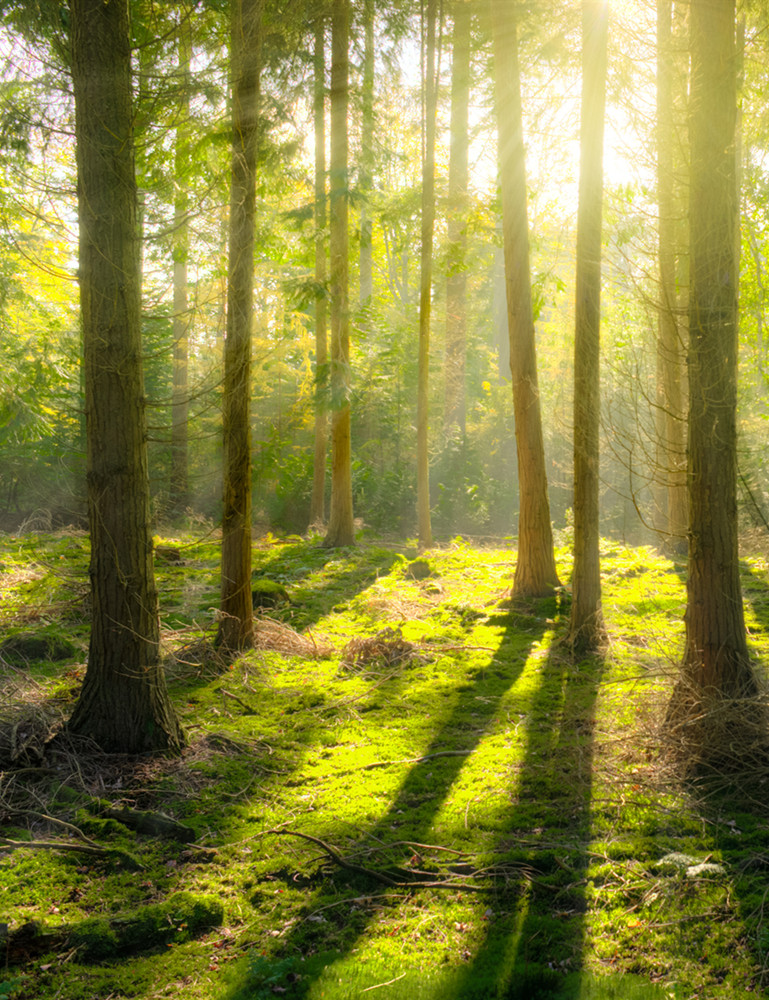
x,y
58,845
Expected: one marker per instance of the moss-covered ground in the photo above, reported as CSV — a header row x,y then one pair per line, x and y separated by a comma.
x,y
408,791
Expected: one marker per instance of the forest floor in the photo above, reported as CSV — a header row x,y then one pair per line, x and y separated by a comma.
x,y
407,791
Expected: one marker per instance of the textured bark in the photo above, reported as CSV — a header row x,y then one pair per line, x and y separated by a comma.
x,y
535,572
179,491
586,625
671,501
430,89
236,629
318,500
454,415
341,529
716,662
123,705
367,158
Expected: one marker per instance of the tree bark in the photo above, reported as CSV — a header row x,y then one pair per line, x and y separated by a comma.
x,y
430,90
318,500
454,416
341,529
671,500
179,487
123,705
535,572
236,628
586,626
367,160
716,663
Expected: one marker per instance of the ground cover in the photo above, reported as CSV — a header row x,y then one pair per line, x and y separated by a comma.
x,y
408,789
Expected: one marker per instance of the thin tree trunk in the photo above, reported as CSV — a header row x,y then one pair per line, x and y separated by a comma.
x,y
535,572
367,160
454,416
123,705
341,529
236,628
586,626
716,662
670,422
424,527
179,491
318,501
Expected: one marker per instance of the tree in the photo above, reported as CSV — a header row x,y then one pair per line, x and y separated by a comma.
x,y
456,280
535,572
123,704
367,159
318,501
340,527
430,90
716,663
179,492
586,624
671,444
236,629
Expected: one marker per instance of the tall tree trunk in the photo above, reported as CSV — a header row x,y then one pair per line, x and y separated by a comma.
x,y
179,491
586,626
341,529
367,159
716,663
236,627
535,572
456,281
430,90
318,501
123,705
671,500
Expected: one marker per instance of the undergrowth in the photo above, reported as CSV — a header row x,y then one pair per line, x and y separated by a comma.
x,y
407,788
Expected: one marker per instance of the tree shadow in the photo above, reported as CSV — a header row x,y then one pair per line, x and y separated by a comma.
x,y
424,789
539,953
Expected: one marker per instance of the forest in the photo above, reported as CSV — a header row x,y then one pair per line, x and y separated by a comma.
x,y
384,584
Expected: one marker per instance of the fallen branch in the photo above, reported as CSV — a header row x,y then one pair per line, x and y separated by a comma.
x,y
155,824
107,853
414,760
378,876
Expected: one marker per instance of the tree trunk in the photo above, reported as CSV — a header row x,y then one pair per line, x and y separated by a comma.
x,y
123,705
367,159
341,529
586,625
179,491
318,501
454,417
430,90
535,572
671,501
236,629
716,664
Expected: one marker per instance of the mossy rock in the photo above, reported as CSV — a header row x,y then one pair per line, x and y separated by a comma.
x,y
266,593
24,647
178,918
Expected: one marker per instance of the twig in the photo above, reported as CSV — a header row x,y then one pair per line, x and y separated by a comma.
x,y
376,986
59,822
414,760
56,845
378,876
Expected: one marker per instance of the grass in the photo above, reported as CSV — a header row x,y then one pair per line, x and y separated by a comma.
x,y
394,727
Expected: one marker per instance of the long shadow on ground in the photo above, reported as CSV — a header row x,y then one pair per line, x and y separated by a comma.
x,y
535,950
422,793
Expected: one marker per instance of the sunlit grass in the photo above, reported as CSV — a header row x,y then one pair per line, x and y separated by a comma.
x,y
541,776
